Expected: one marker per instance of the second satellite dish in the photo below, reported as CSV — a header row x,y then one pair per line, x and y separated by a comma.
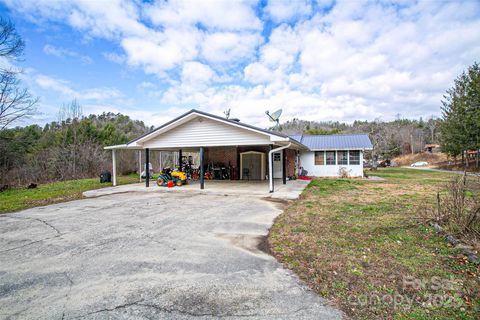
x,y
275,117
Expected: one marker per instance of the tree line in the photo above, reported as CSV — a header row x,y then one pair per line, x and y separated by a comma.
x,y
389,138
70,148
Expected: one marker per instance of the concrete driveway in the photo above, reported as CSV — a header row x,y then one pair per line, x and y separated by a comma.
x,y
148,255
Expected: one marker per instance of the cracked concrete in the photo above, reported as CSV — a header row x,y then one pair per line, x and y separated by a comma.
x,y
148,256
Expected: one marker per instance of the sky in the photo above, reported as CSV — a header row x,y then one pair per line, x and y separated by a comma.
x,y
317,60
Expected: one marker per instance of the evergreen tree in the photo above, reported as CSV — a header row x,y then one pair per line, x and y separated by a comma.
x,y
460,128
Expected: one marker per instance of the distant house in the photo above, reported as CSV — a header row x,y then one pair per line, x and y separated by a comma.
x,y
329,155
431,148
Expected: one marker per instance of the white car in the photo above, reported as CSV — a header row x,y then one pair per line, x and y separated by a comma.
x,y
419,164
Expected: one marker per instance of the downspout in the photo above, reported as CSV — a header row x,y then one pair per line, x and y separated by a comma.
x,y
270,164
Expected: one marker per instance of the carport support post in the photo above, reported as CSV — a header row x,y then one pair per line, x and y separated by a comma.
x,y
147,167
114,168
180,159
202,174
284,166
140,164
270,169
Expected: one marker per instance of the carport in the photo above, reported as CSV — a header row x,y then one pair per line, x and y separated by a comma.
x,y
253,153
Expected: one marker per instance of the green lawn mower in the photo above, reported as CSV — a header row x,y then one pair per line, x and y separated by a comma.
x,y
177,178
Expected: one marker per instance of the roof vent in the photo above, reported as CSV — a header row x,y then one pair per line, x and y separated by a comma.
x,y
235,119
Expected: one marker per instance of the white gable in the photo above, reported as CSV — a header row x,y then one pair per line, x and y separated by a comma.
x,y
204,132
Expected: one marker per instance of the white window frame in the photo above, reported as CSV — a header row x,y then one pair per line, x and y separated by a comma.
x,y
359,157
334,158
314,157
343,152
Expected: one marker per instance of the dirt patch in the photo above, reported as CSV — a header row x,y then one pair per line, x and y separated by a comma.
x,y
256,244
432,158
263,245
44,202
280,203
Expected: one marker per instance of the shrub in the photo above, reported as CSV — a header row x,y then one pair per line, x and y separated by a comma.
x,y
344,172
458,211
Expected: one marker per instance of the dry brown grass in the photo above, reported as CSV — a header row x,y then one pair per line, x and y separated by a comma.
x,y
432,158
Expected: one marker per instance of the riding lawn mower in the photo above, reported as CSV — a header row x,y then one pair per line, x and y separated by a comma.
x,y
178,178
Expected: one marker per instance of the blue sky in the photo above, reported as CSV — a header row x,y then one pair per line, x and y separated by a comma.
x,y
318,60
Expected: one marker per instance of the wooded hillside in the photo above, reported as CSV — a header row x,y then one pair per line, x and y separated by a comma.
x,y
71,148
389,138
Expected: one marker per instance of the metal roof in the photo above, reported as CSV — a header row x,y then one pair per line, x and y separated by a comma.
x,y
335,141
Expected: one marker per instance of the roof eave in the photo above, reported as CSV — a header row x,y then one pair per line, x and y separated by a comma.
x,y
120,146
274,137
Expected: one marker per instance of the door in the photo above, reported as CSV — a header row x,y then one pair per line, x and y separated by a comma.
x,y
277,165
251,165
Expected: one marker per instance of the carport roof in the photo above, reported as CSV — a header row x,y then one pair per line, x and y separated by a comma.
x,y
211,116
279,136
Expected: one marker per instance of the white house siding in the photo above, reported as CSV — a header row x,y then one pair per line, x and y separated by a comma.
x,y
307,161
207,133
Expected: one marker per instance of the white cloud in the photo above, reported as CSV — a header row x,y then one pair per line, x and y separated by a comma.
x,y
65,89
346,60
285,10
58,85
62,53
197,74
224,15
161,52
146,85
229,47
114,57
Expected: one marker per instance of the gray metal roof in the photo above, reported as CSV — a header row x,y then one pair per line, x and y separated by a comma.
x,y
335,141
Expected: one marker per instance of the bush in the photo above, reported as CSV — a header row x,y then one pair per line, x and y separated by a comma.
x,y
458,211
344,172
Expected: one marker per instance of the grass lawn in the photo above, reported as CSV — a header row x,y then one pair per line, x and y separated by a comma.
x,y
18,199
359,244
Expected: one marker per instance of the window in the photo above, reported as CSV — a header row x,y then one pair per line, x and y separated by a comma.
x,y
330,157
276,156
319,161
343,157
354,157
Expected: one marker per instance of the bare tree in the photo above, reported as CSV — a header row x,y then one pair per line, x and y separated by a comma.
x,y
15,102
432,125
11,44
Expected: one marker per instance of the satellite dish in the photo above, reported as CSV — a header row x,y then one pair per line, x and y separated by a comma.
x,y
274,117
227,113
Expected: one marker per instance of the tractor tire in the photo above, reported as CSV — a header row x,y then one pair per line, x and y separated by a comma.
x,y
160,182
179,183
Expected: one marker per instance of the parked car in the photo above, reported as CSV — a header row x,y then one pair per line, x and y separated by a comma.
x,y
419,164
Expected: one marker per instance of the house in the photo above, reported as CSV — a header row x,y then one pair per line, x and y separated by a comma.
x,y
431,148
333,155
252,153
